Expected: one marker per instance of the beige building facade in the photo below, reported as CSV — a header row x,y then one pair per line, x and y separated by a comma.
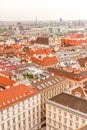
x,y
48,88
60,116
24,114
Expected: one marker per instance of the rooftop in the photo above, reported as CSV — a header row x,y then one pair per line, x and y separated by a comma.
x,y
47,82
6,82
15,94
71,101
78,77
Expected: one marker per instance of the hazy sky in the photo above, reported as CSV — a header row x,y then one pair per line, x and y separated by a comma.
x,y
43,9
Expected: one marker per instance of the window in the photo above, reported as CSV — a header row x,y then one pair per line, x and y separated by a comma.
x,y
13,120
54,109
59,124
37,120
2,118
24,122
65,113
65,120
19,125
23,115
71,116
83,121
70,123
19,117
33,109
37,107
33,122
49,107
59,118
8,123
49,120
14,128
65,127
29,125
37,113
29,112
33,116
3,126
54,116
76,125
77,118
54,123
49,113
59,111
29,118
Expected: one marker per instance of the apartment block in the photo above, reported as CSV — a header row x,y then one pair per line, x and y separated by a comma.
x,y
65,112
84,127
20,108
49,87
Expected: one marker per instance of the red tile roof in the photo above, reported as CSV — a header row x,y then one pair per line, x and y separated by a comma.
x,y
15,94
45,61
71,42
10,67
76,36
80,90
40,51
76,77
5,73
6,81
17,46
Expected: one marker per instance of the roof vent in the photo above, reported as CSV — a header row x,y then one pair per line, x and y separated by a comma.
x,y
12,100
7,87
8,101
3,103
16,98
20,96
15,84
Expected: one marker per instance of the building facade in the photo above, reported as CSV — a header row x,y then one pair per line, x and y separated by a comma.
x,y
20,110
48,88
62,113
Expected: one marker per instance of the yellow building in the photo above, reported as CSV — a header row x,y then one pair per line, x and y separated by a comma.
x,y
65,112
84,127
49,87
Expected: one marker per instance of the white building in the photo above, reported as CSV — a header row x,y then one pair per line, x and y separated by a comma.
x,y
20,108
66,112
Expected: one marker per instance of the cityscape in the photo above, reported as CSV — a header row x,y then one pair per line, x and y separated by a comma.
x,y
43,68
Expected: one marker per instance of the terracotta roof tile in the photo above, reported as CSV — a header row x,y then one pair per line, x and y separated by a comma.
x,y
6,81
15,94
